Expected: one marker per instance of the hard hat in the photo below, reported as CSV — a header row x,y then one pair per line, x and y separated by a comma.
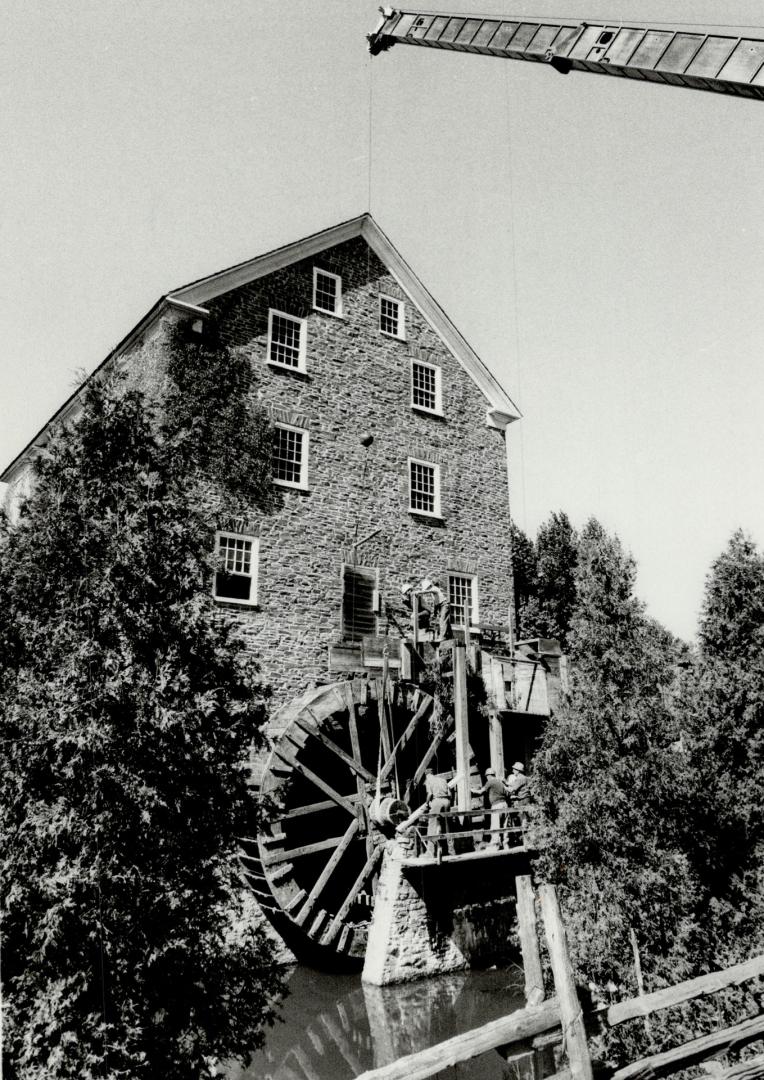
x,y
518,767
490,772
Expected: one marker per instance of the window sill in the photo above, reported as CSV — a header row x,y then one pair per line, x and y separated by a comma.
x,y
332,314
425,514
243,605
395,337
437,413
287,486
287,367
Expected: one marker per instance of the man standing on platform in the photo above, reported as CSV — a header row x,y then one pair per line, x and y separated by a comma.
x,y
497,802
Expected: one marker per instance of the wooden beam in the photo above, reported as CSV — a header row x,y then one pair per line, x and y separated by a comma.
x,y
384,734
529,942
311,808
314,779
411,727
461,719
349,900
684,991
753,1069
691,1053
571,1016
327,872
432,749
362,813
522,1024
330,744
306,849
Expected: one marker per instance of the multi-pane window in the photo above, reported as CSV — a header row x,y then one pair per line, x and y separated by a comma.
x,y
236,572
290,456
463,598
391,318
424,487
327,291
286,340
425,386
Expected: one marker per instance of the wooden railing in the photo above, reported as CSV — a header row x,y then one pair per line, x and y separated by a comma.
x,y
561,1018
456,834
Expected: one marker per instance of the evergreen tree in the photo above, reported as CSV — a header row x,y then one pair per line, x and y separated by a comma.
x,y
127,710
614,800
555,580
725,722
524,575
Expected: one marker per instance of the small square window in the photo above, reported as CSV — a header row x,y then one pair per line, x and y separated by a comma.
x,y
327,292
392,319
236,571
425,387
290,456
424,488
463,598
286,340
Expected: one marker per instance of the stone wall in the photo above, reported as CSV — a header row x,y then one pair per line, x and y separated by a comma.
x,y
358,381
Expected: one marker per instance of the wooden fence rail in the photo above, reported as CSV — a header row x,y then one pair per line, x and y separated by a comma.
x,y
561,1018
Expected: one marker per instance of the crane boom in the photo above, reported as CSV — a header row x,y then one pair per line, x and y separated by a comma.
x,y
723,63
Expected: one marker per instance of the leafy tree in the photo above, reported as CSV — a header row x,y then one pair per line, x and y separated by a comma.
x,y
614,800
127,710
524,573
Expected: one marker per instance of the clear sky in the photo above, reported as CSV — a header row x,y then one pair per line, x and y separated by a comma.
x,y
599,242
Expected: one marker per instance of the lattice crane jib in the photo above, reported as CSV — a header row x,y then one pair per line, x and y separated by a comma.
x,y
695,57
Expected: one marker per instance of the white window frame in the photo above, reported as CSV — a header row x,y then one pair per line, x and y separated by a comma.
x,y
337,310
401,306
253,575
474,601
303,325
438,409
435,513
302,483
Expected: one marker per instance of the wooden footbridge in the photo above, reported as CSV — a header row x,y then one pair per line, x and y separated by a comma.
x,y
563,1020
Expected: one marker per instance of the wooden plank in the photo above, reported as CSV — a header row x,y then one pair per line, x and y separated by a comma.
x,y
684,991
354,765
306,849
314,779
522,1024
311,808
336,924
529,942
411,727
571,1016
691,1053
327,872
384,734
461,721
430,753
753,1069
296,900
355,742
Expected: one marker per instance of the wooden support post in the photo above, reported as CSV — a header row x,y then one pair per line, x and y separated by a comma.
x,y
461,718
496,743
529,942
571,1016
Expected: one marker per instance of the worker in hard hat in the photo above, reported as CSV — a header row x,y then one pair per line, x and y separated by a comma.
x,y
438,791
518,792
493,788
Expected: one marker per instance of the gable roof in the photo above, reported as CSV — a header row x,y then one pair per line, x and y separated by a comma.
x,y
192,297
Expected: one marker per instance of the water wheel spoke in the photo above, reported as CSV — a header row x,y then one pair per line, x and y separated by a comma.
x,y
430,753
352,763
305,849
315,779
355,742
411,727
336,923
312,808
327,872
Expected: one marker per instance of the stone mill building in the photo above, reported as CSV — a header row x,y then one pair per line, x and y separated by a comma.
x,y
390,451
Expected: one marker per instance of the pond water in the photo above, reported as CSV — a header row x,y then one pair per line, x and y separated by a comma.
x,y
334,1027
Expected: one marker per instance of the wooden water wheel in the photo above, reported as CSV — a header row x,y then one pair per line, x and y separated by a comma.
x,y
348,760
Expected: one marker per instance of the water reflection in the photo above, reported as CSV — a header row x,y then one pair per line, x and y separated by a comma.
x,y
334,1027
